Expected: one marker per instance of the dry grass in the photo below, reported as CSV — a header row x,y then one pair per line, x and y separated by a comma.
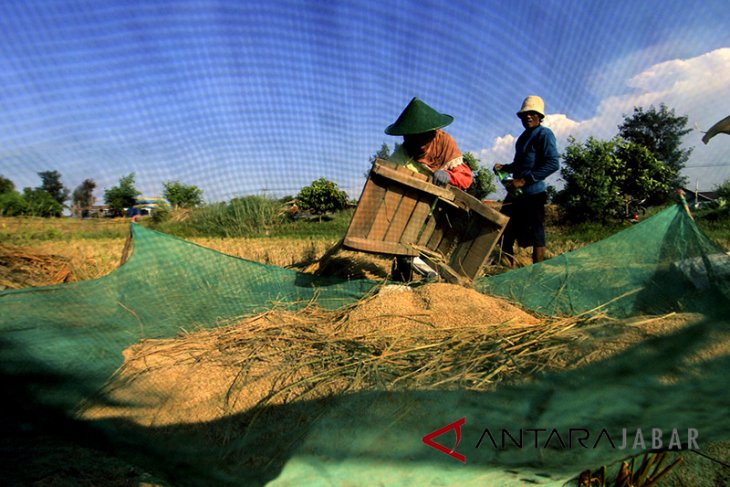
x,y
25,268
646,471
398,339
280,252
339,353
37,264
93,248
278,357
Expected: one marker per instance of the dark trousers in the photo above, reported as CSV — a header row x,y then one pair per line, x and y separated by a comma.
x,y
526,224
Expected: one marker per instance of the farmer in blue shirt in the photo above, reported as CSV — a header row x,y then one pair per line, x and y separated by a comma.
x,y
536,158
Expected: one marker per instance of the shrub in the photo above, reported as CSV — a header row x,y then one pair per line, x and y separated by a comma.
x,y
12,204
322,196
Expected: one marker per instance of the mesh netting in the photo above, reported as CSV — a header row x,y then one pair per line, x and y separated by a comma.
x,y
80,329
61,344
262,98
661,265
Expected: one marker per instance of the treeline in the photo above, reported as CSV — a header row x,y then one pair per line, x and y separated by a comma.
x,y
52,197
183,211
46,200
643,161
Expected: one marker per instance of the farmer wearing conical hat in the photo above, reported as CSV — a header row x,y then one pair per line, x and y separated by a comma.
x,y
426,148
536,158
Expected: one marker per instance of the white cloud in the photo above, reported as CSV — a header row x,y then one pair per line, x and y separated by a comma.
x,y
501,151
561,124
697,87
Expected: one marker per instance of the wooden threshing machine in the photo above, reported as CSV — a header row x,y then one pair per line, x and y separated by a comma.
x,y
401,213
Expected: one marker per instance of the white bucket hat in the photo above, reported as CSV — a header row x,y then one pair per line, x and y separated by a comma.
x,y
533,103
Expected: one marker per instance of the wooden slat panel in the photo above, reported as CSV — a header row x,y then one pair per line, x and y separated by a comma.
x,y
404,178
438,232
413,174
379,247
417,221
402,216
394,214
479,241
386,213
448,241
479,253
445,271
454,225
427,231
435,240
469,202
386,163
367,209
465,242
401,168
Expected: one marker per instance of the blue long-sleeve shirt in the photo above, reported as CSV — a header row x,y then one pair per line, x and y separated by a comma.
x,y
536,158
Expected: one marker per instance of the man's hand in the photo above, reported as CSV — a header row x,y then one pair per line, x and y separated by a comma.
x,y
441,178
518,183
498,166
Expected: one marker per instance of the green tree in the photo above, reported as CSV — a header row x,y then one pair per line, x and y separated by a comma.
x,y
40,203
723,197
123,196
383,153
552,193
83,196
590,173
600,175
483,184
12,203
322,196
181,195
723,190
644,175
6,185
51,184
661,132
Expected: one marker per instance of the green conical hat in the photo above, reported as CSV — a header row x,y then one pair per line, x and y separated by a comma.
x,y
418,118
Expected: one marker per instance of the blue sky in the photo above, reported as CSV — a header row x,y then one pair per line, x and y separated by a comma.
x,y
252,97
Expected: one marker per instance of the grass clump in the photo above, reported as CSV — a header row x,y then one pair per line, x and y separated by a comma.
x,y
241,217
251,217
31,230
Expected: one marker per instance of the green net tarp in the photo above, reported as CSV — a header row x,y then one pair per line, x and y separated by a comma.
x,y
60,344
660,265
167,285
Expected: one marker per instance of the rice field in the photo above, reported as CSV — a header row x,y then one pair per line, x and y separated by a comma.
x,y
92,248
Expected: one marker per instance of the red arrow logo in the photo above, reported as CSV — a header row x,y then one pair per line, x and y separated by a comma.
x,y
456,425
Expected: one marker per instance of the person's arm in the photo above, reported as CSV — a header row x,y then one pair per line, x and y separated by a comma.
x,y
505,167
461,175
